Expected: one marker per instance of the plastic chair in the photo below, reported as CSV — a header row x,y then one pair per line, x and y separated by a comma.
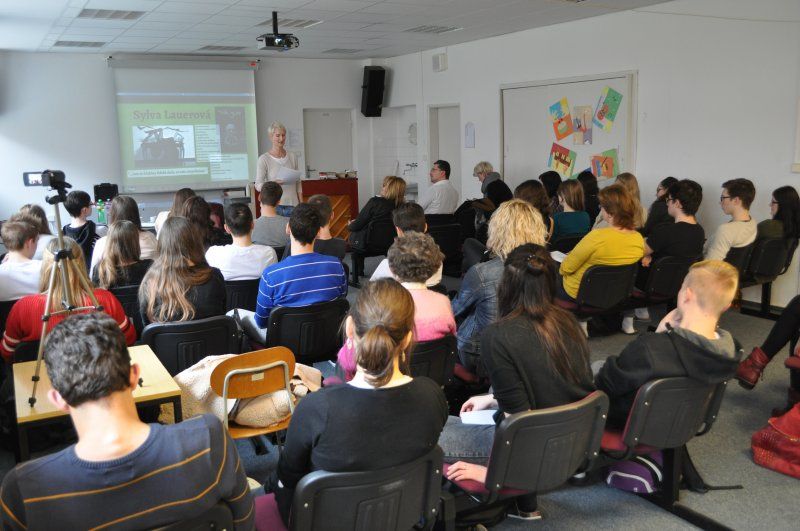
x,y
448,238
26,351
379,237
533,452
602,290
397,498
217,518
241,294
5,309
279,252
664,281
435,359
770,259
178,346
739,257
128,297
311,332
254,374
566,243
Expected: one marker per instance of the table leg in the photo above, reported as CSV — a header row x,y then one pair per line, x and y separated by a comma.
x,y
23,450
176,407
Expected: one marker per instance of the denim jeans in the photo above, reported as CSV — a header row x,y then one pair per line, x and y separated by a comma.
x,y
466,442
284,210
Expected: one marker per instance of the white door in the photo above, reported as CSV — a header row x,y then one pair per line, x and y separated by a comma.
x,y
328,140
445,137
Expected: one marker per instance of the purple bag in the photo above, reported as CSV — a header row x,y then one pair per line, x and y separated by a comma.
x,y
641,474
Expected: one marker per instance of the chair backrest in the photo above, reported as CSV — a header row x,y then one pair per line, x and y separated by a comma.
x,y
241,294
129,299
279,252
448,238
666,276
541,449
439,219
5,309
380,236
180,345
791,247
668,412
311,332
218,518
26,351
439,288
566,243
435,359
395,498
768,258
739,257
604,287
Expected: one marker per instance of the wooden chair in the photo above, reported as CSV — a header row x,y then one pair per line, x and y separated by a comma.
x,y
254,374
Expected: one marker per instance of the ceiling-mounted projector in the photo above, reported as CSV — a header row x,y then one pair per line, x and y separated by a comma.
x,y
275,40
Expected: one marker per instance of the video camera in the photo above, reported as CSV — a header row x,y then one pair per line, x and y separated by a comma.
x,y
50,178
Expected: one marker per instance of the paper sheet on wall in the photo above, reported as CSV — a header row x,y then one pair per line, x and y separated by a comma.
x,y
606,164
582,124
562,120
287,175
607,106
562,160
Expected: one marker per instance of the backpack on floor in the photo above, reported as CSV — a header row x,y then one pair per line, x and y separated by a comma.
x,y
641,474
777,445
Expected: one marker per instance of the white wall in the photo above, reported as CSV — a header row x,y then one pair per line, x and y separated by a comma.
x,y
391,148
717,97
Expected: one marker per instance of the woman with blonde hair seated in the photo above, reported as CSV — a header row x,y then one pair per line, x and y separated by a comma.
x,y
629,182
379,207
516,222
24,323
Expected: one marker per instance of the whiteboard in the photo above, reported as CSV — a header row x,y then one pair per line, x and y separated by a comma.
x,y
528,133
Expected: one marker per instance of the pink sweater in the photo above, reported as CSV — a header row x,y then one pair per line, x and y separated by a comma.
x,y
433,319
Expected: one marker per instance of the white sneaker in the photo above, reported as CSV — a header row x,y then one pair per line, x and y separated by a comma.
x,y
627,326
642,314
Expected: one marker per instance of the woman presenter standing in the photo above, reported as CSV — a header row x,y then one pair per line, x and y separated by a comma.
x,y
270,163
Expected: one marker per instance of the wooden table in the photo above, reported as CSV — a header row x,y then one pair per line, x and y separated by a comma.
x,y
157,388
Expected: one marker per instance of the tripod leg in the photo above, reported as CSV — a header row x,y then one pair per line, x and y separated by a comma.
x,y
43,335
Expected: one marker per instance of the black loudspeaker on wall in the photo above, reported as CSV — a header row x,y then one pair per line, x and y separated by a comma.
x,y
372,90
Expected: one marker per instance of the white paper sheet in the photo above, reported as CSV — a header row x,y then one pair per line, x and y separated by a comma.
x,y
558,256
288,175
484,416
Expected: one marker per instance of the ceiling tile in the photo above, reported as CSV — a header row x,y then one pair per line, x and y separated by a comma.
x,y
127,5
338,5
186,18
190,7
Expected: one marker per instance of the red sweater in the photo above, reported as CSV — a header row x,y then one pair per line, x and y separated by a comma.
x,y
25,320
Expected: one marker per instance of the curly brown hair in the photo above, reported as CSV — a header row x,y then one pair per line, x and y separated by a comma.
x,y
414,257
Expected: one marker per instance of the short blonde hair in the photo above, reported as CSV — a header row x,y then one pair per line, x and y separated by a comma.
x,y
514,223
483,167
714,283
275,126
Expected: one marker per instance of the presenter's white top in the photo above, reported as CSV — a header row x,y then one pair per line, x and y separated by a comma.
x,y
241,263
440,198
267,169
147,244
18,279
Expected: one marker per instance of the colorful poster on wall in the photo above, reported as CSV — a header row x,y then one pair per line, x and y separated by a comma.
x,y
582,124
607,106
605,165
562,160
562,120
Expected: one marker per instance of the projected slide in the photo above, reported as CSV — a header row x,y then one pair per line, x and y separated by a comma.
x,y
173,135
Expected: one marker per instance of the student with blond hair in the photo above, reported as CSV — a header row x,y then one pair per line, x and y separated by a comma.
x,y
687,342
380,207
516,222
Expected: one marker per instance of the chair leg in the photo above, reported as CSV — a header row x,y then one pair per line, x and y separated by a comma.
x,y
766,298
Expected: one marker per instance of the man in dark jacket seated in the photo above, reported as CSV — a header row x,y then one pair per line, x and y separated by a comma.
x,y
686,343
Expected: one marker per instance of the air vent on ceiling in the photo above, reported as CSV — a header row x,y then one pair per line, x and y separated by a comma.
x,y
110,14
80,44
297,23
438,30
342,50
221,48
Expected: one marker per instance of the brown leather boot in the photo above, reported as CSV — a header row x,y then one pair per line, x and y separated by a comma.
x,y
749,371
792,398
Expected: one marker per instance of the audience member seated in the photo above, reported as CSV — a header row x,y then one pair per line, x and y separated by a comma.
x,y
534,193
35,214
380,207
785,211
784,330
551,181
381,418
83,230
408,217
572,219
242,259
475,307
198,212
495,191
658,210
440,197
414,257
618,244
740,231
180,285
325,243
19,273
591,203
217,215
629,182
24,323
305,277
687,342
536,357
121,265
124,207
177,204
121,472
683,238
270,228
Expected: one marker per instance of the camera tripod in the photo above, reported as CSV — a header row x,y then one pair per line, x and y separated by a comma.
x,y
59,267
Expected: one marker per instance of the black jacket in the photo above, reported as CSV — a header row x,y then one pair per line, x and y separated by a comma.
x,y
85,236
652,356
376,208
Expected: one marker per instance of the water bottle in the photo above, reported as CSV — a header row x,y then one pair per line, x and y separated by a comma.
x,y
101,212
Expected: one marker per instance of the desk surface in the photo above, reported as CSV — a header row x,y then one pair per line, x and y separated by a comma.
x,y
157,384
